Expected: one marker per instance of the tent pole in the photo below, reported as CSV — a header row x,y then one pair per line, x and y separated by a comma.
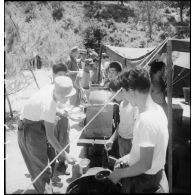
x,y
169,95
100,59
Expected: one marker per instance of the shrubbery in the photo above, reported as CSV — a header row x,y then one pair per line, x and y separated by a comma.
x,y
108,11
50,29
93,36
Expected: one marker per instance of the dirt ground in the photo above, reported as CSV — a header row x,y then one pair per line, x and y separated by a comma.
x,y
16,173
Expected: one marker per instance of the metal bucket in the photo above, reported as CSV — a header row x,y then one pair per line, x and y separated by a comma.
x,y
84,165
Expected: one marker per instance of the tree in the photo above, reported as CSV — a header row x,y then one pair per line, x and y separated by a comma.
x,y
148,12
13,49
122,3
149,20
93,35
179,4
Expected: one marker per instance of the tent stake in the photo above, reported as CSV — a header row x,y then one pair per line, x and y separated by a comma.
x,y
169,95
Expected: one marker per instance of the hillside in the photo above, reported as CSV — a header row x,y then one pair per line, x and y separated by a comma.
x,y
50,28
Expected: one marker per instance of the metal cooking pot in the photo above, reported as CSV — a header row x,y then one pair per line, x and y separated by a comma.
x,y
96,183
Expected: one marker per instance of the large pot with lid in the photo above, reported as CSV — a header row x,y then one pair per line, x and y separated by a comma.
x,y
95,181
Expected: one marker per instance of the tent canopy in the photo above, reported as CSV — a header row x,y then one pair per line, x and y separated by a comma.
x,y
181,59
135,56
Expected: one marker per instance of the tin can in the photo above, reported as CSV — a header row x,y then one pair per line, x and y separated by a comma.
x,y
76,171
84,165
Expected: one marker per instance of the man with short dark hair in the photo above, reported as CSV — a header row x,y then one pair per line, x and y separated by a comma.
x,y
59,69
158,84
124,130
143,168
62,128
114,69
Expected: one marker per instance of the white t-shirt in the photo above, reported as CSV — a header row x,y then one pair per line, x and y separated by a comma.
x,y
151,130
41,106
127,118
84,79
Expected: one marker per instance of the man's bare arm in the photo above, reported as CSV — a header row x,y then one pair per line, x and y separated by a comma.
x,y
140,167
52,139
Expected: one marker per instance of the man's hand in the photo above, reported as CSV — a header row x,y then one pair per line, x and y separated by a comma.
x,y
115,176
71,160
65,114
122,161
109,144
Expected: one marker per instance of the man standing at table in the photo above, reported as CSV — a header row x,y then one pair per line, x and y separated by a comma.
x,y
62,128
145,163
73,68
72,59
36,126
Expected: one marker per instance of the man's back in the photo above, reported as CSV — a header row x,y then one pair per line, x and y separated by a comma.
x,y
40,104
151,130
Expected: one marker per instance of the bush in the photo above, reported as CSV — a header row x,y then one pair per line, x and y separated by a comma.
x,y
163,36
57,14
108,11
182,31
29,18
171,19
188,13
76,30
167,10
93,35
142,44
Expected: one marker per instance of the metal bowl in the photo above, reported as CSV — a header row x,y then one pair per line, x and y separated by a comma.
x,y
80,116
77,114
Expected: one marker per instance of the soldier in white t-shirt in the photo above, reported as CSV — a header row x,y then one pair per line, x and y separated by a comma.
x,y
37,125
124,130
144,168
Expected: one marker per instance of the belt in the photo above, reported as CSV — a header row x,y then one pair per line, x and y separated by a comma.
x,y
124,138
30,122
159,172
22,123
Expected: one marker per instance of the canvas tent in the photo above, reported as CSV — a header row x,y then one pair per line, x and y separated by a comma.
x,y
132,57
129,57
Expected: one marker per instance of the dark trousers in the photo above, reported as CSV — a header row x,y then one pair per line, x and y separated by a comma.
x,y
142,183
116,120
125,146
75,99
61,132
33,145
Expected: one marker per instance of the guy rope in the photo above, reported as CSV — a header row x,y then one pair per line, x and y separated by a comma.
x,y
75,138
